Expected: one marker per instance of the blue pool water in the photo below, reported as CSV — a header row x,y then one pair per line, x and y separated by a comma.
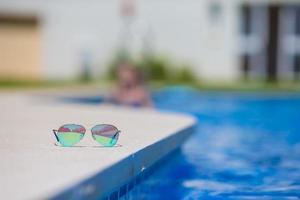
x,y
247,146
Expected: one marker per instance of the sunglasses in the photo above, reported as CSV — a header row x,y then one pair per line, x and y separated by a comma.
x,y
70,134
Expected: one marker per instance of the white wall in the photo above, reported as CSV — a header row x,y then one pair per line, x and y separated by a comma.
x,y
69,28
182,30
185,31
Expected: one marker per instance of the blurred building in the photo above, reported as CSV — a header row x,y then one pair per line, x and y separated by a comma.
x,y
223,40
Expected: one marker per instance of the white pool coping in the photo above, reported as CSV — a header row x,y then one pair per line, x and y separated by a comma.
x,y
32,167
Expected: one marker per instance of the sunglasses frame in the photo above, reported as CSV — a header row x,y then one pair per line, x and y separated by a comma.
x,y
116,135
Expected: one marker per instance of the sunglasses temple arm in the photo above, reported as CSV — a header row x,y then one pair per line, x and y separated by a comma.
x,y
55,134
117,134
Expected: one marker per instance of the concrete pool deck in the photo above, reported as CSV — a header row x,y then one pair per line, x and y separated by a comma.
x,y
32,167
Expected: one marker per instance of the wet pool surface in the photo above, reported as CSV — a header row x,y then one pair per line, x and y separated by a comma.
x,y
247,146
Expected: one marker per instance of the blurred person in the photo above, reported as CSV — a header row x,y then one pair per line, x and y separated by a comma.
x,y
130,89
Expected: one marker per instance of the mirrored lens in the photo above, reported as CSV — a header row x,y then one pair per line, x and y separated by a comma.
x,y
105,134
70,134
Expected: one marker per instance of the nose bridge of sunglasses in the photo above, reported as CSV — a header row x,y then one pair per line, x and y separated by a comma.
x,y
86,139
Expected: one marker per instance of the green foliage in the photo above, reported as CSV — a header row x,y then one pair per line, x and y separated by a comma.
x,y
85,75
161,69
185,75
155,68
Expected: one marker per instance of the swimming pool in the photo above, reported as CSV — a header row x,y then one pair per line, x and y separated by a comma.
x,y
247,146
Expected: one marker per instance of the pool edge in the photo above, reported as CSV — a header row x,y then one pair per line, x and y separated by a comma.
x,y
120,178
